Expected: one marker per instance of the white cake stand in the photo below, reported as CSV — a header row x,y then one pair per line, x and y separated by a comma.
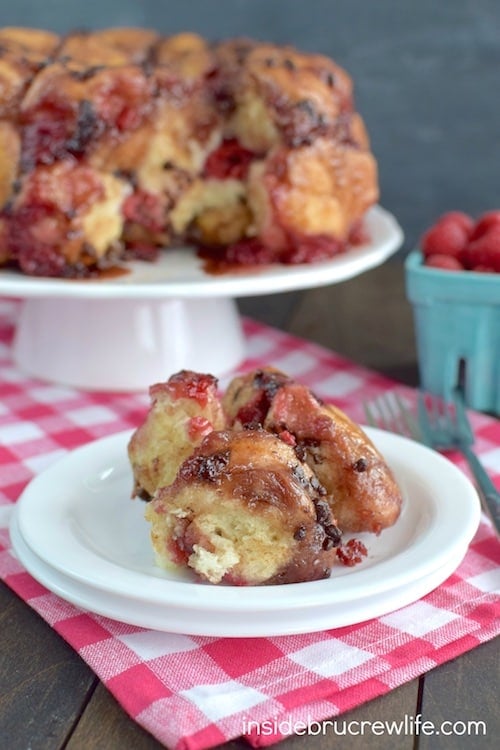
x,y
125,333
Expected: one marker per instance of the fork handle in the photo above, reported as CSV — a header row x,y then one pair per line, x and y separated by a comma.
x,y
490,494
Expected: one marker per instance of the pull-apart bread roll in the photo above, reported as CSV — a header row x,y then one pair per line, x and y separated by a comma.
x,y
256,488
244,510
120,142
361,490
183,411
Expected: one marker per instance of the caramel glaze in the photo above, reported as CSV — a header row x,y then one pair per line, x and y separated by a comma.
x,y
257,470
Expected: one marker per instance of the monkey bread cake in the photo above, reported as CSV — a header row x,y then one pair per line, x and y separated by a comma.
x,y
256,487
118,142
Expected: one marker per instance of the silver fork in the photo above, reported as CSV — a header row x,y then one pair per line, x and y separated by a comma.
x,y
441,426
445,426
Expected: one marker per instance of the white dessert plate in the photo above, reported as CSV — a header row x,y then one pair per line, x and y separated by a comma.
x,y
180,274
214,623
77,531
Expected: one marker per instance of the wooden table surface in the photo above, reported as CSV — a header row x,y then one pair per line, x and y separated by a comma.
x,y
50,699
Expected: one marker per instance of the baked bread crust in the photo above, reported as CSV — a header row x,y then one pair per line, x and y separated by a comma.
x,y
182,412
252,150
361,490
244,510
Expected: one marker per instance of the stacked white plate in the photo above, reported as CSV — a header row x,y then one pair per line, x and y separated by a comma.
x,y
77,531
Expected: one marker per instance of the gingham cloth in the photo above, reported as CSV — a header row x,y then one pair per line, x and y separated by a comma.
x,y
196,692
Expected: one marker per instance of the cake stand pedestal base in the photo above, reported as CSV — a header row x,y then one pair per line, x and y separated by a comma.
x,y
126,344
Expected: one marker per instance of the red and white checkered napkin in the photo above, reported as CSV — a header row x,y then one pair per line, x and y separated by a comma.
x,y
197,692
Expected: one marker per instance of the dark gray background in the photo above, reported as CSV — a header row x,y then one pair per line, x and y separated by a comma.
x,y
427,78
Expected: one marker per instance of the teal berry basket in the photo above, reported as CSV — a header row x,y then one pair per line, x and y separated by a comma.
x,y
457,328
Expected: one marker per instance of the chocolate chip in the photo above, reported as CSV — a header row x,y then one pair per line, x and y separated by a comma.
x,y
270,382
300,451
300,533
85,75
206,468
299,474
307,106
322,512
330,80
305,449
333,532
87,128
317,486
360,465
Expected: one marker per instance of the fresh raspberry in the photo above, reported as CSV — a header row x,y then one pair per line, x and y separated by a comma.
x,y
444,238
460,218
485,222
145,209
446,262
198,428
229,160
352,552
484,251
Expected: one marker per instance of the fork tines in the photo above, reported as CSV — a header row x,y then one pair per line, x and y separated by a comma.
x,y
389,412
